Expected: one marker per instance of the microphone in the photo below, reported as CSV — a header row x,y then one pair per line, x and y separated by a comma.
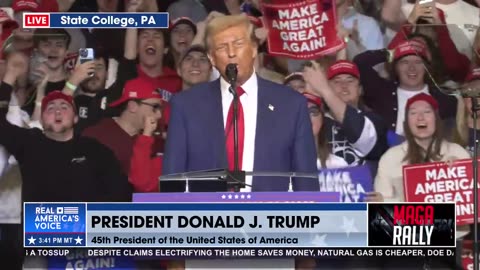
x,y
231,72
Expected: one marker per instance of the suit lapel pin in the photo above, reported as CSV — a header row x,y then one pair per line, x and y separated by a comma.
x,y
270,107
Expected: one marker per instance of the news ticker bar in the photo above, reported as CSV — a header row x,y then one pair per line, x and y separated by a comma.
x,y
233,225
96,20
245,253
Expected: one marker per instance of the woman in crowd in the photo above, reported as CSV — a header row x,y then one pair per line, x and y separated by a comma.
x,y
325,157
424,143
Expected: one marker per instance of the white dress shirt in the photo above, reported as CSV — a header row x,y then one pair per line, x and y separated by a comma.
x,y
249,102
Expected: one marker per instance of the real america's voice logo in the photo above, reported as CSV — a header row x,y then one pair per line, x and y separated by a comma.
x,y
54,224
52,217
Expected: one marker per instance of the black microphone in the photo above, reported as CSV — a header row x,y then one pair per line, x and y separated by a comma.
x,y
231,72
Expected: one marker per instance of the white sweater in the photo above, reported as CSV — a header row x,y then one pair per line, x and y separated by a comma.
x,y
389,179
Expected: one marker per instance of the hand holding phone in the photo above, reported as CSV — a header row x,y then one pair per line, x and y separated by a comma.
x,y
36,70
422,12
85,55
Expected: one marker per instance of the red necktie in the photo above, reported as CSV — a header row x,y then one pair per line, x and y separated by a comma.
x,y
229,132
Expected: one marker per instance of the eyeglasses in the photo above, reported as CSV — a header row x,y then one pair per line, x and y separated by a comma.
x,y
155,107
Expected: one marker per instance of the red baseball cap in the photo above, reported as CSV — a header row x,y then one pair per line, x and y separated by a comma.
x,y
343,67
313,99
474,74
422,96
410,47
25,5
138,88
183,20
57,94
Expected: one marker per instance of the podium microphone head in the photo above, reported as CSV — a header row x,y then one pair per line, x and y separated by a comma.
x,y
231,72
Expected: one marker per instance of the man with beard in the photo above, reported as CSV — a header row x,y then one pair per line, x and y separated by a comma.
x,y
91,93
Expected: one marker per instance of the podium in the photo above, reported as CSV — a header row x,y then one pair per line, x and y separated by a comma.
x,y
288,196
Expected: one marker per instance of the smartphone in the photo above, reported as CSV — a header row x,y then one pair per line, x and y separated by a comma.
x,y
85,55
35,61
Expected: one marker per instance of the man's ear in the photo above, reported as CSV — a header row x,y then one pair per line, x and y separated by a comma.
x,y
75,119
255,50
211,59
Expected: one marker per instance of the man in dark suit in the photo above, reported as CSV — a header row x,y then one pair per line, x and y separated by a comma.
x,y
275,132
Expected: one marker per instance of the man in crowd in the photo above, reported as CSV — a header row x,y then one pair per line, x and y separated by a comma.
x,y
50,49
55,165
194,67
75,169
140,105
356,134
91,95
182,32
275,132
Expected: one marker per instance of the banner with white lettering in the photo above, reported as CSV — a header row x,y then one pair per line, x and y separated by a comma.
x,y
439,182
351,182
302,29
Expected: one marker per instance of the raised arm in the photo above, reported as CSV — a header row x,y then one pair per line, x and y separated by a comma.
x,y
143,175
12,137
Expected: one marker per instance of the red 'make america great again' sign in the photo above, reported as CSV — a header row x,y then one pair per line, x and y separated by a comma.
x,y
302,29
438,182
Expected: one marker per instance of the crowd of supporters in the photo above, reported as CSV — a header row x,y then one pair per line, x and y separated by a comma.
x,y
95,131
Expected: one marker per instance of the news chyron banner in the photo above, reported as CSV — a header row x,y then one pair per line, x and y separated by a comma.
x,y
208,230
95,20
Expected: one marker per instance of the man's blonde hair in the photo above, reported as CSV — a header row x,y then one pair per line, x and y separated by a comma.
x,y
223,23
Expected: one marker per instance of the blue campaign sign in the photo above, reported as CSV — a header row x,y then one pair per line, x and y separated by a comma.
x,y
54,224
79,260
109,20
351,182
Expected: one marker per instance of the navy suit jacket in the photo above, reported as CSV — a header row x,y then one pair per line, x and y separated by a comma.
x,y
283,139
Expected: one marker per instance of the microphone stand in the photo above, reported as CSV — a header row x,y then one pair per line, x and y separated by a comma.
x,y
475,110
